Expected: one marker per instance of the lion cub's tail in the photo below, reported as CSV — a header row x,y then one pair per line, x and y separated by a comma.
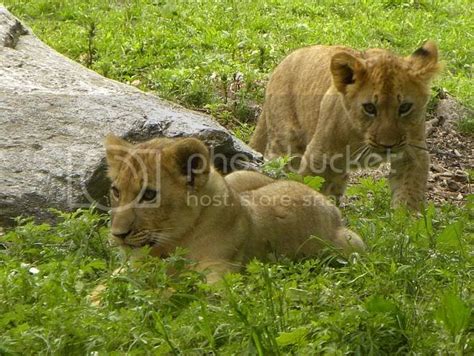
x,y
348,241
259,138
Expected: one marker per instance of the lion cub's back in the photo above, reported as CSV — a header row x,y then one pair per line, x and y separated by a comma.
x,y
286,198
287,213
295,90
242,181
306,68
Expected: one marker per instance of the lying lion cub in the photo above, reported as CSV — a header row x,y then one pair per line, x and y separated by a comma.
x,y
338,108
165,194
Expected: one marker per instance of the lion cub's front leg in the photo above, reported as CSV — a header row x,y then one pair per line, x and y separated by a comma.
x,y
215,270
334,184
335,177
96,295
408,179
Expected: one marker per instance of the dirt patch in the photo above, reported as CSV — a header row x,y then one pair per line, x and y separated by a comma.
x,y
452,153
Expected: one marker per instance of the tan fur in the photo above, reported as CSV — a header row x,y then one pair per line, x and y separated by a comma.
x,y
314,110
251,215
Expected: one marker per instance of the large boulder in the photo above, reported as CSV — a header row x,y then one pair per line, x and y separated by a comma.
x,y
54,114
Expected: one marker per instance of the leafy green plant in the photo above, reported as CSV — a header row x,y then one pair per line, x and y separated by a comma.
x,y
277,168
454,314
314,182
393,299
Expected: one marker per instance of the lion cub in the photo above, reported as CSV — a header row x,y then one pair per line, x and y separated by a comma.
x,y
336,108
165,193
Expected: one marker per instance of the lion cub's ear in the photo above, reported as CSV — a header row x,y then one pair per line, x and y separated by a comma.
x,y
116,149
192,161
424,61
346,69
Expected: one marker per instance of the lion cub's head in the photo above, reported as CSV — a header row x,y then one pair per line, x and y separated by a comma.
x,y
150,185
386,95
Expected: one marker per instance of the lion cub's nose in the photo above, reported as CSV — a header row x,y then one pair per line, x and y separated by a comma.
x,y
121,235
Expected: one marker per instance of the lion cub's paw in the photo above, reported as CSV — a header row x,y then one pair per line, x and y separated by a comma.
x,y
95,296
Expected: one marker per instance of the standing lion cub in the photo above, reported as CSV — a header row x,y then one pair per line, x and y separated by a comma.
x,y
165,193
337,108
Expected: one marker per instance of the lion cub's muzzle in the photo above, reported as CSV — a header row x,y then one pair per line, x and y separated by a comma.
x,y
130,239
141,238
387,146
121,235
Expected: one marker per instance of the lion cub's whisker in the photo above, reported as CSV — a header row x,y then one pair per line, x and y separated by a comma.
x,y
419,147
367,150
162,240
357,153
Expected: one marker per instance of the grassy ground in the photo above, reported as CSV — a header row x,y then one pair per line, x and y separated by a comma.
x,y
216,55
412,293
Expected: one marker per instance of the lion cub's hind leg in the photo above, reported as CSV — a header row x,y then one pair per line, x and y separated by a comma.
x,y
284,134
348,241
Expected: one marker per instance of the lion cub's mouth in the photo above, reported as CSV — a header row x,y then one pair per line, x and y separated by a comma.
x,y
386,152
141,239
155,249
150,244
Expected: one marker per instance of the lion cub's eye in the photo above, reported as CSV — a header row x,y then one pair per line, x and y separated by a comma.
x,y
148,195
369,109
404,108
115,192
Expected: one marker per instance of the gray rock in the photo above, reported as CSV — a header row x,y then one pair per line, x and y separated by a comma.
x,y
451,111
54,114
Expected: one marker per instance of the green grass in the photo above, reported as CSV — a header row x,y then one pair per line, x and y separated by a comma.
x,y
216,55
466,125
411,293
